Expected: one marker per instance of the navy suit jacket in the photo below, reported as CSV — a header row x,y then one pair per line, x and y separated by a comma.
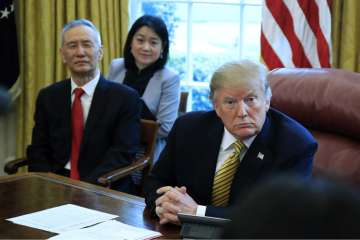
x,y
190,156
111,133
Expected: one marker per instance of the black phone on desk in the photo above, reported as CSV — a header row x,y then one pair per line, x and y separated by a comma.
x,y
201,227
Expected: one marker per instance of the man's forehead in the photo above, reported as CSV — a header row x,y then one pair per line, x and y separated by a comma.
x,y
247,83
238,95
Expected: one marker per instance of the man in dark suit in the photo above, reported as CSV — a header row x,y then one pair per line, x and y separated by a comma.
x,y
85,135
190,174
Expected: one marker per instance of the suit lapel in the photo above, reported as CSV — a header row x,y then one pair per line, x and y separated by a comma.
x,y
65,106
96,109
212,147
258,156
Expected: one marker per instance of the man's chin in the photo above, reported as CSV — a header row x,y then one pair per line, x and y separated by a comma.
x,y
88,72
82,69
245,133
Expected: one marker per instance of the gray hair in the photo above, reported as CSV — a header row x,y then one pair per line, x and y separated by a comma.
x,y
80,22
236,73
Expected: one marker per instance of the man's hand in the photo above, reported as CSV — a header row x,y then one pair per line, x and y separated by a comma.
x,y
172,201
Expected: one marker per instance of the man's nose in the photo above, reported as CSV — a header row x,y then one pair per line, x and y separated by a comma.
x,y
80,50
242,109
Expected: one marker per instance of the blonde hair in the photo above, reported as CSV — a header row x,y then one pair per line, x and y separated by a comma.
x,y
235,73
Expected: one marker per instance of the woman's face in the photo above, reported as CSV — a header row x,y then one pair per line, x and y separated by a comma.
x,y
146,47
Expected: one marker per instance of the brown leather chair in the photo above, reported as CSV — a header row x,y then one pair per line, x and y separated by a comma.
x,y
327,102
142,161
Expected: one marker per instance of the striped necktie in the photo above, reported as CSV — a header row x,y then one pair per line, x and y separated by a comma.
x,y
224,177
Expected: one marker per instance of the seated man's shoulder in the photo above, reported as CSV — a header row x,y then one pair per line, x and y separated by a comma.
x,y
55,87
121,89
290,127
198,118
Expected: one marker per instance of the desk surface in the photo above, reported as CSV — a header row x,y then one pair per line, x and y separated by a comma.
x,y
26,193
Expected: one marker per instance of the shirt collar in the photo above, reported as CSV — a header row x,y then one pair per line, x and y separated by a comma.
x,y
229,139
89,87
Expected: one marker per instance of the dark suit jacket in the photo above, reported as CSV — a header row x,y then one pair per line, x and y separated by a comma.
x,y
111,133
190,157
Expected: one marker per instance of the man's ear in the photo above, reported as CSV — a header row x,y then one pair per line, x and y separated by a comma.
x,y
216,106
267,104
101,53
61,51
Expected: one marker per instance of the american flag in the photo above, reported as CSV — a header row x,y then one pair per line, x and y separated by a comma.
x,y
9,65
296,33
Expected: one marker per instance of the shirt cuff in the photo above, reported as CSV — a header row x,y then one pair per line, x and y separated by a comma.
x,y
201,210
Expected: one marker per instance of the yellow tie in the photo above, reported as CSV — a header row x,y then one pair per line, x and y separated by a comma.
x,y
224,177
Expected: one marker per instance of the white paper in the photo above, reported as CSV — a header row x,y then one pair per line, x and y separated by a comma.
x,y
63,218
110,230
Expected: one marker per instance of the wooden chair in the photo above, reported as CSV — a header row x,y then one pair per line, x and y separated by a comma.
x,y
142,160
183,103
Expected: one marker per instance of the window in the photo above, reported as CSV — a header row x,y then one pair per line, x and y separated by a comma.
x,y
204,34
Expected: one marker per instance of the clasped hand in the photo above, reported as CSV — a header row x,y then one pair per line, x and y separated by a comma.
x,y
172,201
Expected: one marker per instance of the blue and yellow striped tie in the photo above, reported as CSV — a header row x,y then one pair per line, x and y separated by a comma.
x,y
224,177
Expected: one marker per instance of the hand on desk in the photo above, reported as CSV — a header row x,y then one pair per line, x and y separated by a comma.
x,y
172,201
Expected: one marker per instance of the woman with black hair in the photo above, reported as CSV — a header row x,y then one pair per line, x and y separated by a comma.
x,y
143,68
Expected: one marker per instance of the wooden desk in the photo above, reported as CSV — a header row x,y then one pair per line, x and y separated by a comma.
x,y
26,193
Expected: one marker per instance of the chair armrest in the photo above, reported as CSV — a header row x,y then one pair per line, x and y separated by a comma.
x,y
12,166
111,177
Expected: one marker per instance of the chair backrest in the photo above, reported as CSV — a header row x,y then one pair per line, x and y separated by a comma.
x,y
148,135
142,162
183,103
327,102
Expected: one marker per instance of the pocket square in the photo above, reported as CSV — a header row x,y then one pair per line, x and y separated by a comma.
x,y
260,156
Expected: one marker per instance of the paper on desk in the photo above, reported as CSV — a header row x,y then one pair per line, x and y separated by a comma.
x,y
63,218
110,230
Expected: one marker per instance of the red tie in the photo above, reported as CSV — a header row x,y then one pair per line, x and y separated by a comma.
x,y
77,126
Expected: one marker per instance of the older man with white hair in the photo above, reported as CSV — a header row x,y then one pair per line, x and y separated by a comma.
x,y
85,126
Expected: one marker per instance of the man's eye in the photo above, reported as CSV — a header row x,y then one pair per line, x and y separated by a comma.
x,y
230,103
251,99
87,45
71,45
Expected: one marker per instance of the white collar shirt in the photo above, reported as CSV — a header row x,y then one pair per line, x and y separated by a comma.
x,y
86,98
226,149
